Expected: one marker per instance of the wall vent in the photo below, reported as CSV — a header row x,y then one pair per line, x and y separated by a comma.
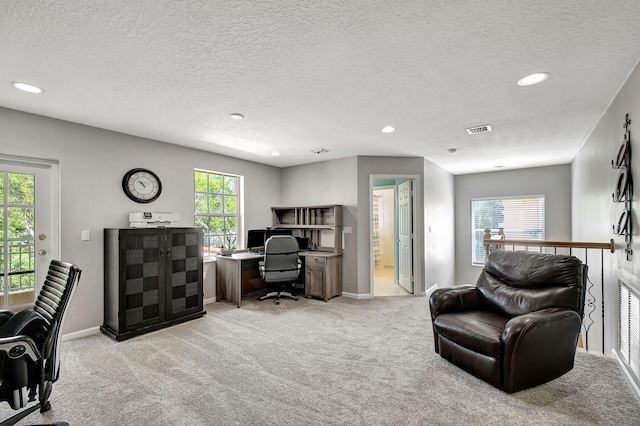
x,y
629,333
479,129
320,151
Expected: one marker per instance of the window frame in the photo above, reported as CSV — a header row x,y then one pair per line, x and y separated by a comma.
x,y
507,230
209,244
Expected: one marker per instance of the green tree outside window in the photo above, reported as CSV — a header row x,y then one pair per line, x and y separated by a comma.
x,y
216,202
17,230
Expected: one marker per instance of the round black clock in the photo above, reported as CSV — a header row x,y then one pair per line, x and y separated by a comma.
x,y
141,185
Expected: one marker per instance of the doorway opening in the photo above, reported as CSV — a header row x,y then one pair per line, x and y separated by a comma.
x,y
392,237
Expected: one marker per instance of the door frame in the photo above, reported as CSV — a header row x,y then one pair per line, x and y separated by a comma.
x,y
417,230
53,219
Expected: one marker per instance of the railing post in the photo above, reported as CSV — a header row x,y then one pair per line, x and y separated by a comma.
x,y
485,239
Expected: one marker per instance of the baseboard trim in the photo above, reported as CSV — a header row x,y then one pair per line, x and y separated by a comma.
x,y
80,334
210,300
356,295
431,289
627,374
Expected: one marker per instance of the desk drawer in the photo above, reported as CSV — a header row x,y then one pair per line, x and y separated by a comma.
x,y
249,265
318,262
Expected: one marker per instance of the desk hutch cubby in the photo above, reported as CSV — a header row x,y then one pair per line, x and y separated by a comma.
x,y
152,279
323,263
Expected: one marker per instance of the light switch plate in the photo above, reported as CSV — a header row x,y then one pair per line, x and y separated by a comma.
x,y
86,235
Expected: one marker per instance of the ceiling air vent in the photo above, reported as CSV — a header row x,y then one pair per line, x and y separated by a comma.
x,y
320,151
479,129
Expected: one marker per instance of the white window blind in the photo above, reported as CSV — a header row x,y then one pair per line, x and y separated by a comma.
x,y
522,218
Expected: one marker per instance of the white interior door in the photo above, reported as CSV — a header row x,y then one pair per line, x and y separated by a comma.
x,y
405,232
26,239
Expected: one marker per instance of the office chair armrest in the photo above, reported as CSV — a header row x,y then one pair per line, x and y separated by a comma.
x,y
27,323
18,346
5,316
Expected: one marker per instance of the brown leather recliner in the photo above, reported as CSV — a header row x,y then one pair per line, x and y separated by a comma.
x,y
519,326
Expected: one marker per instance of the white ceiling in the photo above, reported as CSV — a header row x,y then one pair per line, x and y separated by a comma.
x,y
327,74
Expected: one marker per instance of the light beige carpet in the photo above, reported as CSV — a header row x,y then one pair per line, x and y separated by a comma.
x,y
345,362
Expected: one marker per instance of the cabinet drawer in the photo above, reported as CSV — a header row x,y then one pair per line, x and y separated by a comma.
x,y
315,261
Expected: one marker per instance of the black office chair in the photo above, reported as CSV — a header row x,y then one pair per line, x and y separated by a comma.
x,y
280,266
30,343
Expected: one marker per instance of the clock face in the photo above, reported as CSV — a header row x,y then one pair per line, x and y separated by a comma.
x,y
141,185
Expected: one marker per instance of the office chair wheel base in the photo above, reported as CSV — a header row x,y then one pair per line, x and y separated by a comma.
x,y
277,302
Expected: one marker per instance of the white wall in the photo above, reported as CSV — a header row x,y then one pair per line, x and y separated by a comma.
x,y
593,182
554,182
328,182
439,209
92,163
391,166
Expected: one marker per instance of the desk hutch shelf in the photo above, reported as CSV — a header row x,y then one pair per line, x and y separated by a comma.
x,y
321,224
323,264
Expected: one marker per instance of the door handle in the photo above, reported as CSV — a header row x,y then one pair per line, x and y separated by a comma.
x,y
42,252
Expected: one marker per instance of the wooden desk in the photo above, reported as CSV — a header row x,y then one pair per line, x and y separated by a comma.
x,y
236,275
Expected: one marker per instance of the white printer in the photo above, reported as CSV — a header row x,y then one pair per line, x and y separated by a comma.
x,y
154,220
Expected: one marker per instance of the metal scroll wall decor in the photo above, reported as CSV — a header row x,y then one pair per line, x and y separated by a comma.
x,y
624,188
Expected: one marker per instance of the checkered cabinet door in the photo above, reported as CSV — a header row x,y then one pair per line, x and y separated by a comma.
x,y
143,300
184,272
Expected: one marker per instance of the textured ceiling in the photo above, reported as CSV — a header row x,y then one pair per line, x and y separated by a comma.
x,y
327,74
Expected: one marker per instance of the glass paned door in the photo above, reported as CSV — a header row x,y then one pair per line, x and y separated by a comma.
x,y
23,234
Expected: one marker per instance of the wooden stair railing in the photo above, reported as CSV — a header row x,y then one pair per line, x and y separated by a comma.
x,y
500,242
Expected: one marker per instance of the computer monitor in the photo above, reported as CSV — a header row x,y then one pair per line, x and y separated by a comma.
x,y
278,231
303,243
256,238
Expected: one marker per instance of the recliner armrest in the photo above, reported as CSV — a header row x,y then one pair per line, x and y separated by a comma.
x,y
525,323
539,346
454,299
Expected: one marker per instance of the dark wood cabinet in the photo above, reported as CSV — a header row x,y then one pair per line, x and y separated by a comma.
x,y
152,279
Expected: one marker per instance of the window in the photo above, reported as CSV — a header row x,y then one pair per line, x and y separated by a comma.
x,y
521,219
217,209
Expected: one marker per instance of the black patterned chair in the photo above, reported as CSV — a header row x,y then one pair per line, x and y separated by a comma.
x,y
30,343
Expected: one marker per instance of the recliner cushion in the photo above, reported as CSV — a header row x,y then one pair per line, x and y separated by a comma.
x,y
479,331
516,282
525,269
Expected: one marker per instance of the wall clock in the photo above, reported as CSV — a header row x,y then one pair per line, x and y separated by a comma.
x,y
141,185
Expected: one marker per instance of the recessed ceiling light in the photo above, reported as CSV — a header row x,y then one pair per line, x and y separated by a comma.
x,y
388,129
275,153
237,116
25,87
534,78
452,150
